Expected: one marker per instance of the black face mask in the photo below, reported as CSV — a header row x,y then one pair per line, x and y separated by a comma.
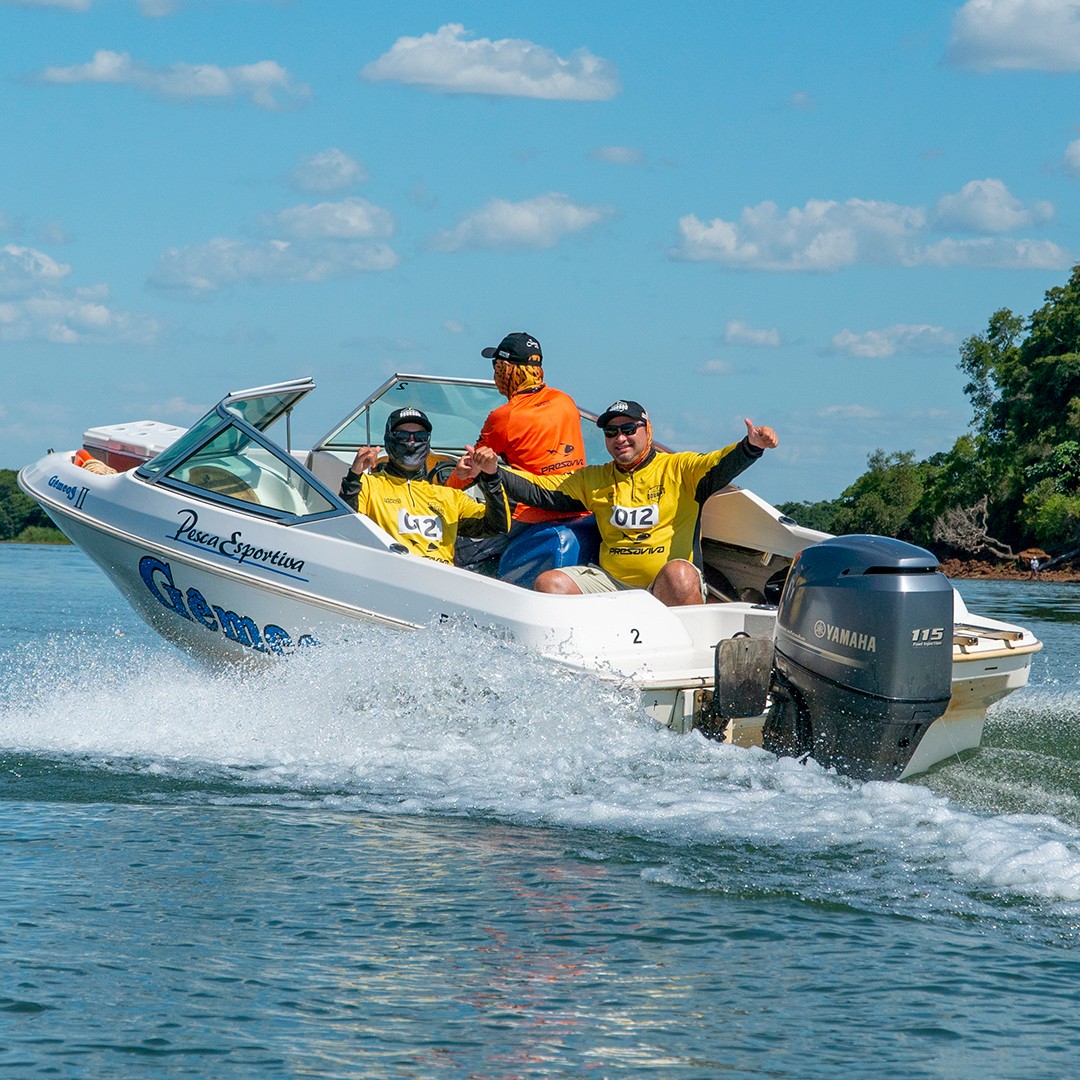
x,y
408,449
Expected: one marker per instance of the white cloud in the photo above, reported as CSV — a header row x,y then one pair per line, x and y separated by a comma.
x,y
902,338
177,406
451,61
204,268
303,244
1015,35
67,5
34,306
328,170
156,9
715,367
265,82
987,206
52,232
24,271
825,235
535,223
849,412
737,332
151,8
802,100
72,321
1072,158
995,254
453,326
350,219
618,155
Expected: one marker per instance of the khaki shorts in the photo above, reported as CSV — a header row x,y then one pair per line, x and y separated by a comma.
x,y
591,579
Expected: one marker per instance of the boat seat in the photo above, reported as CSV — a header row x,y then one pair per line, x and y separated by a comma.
x,y
221,482
549,547
275,491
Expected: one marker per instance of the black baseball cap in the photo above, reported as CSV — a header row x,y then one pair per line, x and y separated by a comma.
x,y
407,415
518,348
621,408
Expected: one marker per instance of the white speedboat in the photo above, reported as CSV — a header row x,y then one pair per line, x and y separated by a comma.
x,y
854,650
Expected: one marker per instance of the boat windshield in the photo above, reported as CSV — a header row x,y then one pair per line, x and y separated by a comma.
x,y
193,438
261,406
457,409
234,466
223,459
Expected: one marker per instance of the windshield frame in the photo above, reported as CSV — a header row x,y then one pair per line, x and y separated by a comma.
x,y
158,470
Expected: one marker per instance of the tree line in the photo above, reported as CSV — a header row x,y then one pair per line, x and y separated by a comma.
x,y
1009,484
21,519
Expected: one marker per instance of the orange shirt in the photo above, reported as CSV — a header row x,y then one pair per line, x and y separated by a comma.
x,y
537,432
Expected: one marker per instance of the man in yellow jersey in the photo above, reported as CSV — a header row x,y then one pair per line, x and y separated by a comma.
x,y
647,504
425,517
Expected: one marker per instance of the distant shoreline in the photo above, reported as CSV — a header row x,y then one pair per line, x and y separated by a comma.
x,y
977,570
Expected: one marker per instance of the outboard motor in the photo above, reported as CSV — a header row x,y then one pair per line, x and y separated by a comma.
x,y
863,658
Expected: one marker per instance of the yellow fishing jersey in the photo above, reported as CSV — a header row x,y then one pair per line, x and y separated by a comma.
x,y
647,516
426,517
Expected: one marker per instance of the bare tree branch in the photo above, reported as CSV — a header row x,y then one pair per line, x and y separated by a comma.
x,y
964,528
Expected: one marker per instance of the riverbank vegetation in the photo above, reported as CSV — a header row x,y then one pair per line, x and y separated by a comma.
x,y
22,521
1009,489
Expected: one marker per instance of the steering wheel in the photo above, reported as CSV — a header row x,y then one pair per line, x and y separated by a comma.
x,y
440,472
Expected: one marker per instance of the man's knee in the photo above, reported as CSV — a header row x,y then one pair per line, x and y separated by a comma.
x,y
678,583
555,581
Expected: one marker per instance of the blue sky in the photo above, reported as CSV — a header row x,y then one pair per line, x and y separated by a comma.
x,y
785,210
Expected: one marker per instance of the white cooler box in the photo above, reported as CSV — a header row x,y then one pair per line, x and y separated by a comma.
x,y
123,446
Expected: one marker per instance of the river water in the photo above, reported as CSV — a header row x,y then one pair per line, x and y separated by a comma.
x,y
435,855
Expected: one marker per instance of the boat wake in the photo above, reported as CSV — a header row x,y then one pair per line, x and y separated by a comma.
x,y
455,722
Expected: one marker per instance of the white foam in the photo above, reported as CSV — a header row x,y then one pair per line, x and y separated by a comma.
x,y
453,721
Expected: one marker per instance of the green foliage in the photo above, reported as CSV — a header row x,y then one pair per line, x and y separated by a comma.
x,y
41,534
959,477
19,512
884,498
1053,517
21,519
987,360
1060,466
1025,390
817,515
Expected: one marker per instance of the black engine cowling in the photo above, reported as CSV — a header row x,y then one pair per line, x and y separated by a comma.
x,y
863,659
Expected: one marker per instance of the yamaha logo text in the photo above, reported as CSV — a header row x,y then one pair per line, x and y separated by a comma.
x,y
841,635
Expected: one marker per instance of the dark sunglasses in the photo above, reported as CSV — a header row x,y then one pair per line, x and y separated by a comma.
x,y
409,436
611,430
